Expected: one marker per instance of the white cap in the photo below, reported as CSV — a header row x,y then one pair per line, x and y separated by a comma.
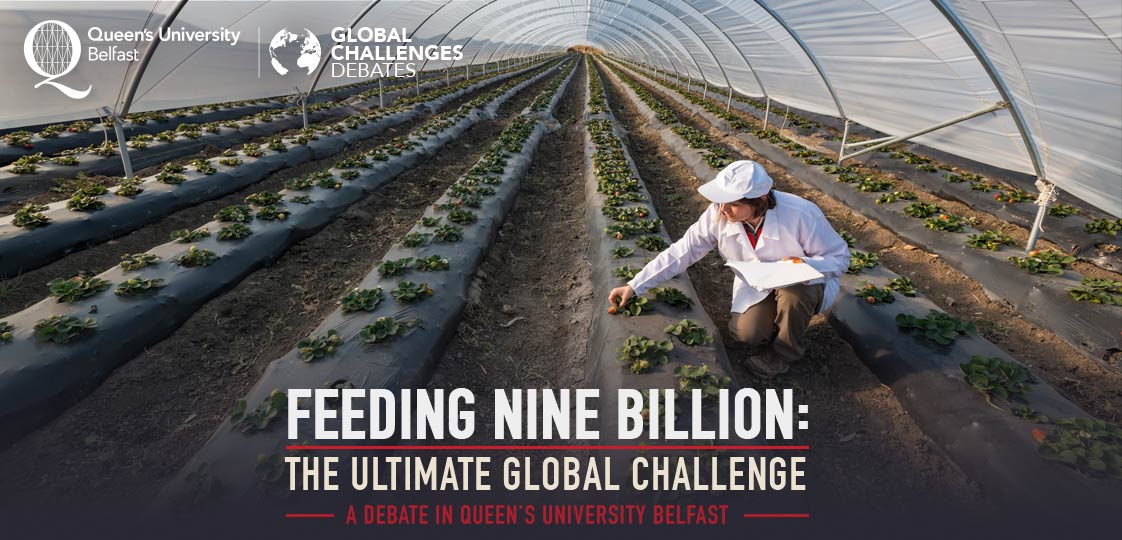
x,y
739,180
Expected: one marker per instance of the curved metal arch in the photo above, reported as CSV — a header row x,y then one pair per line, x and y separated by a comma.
x,y
806,50
667,25
601,27
732,45
705,44
452,29
674,46
998,82
652,41
123,104
481,28
327,57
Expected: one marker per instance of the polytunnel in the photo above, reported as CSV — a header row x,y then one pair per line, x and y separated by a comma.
x,y
222,218
897,67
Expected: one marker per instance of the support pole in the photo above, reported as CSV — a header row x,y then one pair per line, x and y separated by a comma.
x,y
381,94
689,82
996,106
122,143
841,149
728,106
767,112
1047,197
448,76
303,106
705,89
417,81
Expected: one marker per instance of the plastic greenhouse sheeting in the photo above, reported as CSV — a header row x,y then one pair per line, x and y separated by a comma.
x,y
897,66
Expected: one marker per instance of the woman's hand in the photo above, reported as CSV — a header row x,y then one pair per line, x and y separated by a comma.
x,y
620,295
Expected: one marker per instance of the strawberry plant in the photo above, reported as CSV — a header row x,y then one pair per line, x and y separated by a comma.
x,y
349,174
237,213
85,203
31,216
692,378
277,145
6,332
394,267
264,198
633,307
69,161
234,231
19,138
927,168
834,169
1109,227
921,210
625,272
196,257
641,353
272,212
859,261
184,236
258,419
1098,291
937,326
299,184
672,296
1086,444
62,329
171,179
896,196
138,287
621,252
652,243
415,239
993,377
26,164
1030,414
434,263
992,240
1048,261
430,221
902,285
984,187
948,223
203,166
1062,210
76,288
300,199
136,261
853,178
689,333
849,239
130,187
316,347
875,295
873,185
361,300
820,160
382,329
408,292
229,161
1013,196
252,150
461,216
448,233
620,231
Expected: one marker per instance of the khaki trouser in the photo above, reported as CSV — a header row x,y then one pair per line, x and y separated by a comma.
x,y
780,320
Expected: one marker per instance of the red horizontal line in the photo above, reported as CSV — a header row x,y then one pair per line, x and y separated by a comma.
x,y
309,515
776,515
454,448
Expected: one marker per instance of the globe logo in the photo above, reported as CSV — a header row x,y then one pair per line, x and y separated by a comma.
x,y
287,44
51,50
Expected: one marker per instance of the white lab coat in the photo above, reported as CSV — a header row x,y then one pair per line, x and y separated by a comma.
x,y
794,228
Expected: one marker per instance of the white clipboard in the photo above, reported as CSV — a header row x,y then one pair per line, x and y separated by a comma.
x,y
773,275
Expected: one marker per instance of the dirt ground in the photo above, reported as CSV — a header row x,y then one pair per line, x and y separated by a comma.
x,y
526,324
1085,381
863,442
146,420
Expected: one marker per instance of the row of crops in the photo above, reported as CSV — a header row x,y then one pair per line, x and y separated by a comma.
x,y
985,409
390,329
40,233
1082,310
64,345
32,173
